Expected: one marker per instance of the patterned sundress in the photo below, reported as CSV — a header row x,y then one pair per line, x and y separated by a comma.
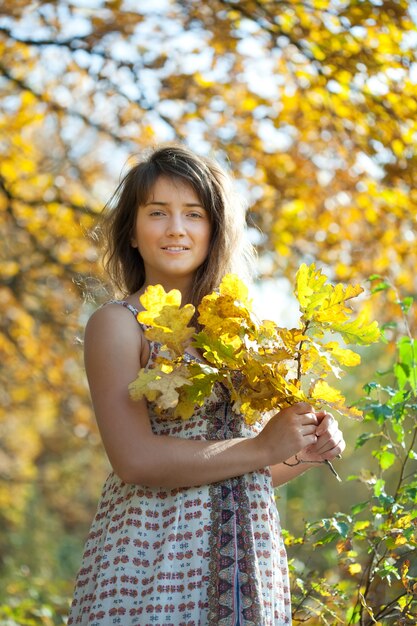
x,y
201,556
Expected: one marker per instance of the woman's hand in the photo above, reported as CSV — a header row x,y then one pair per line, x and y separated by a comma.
x,y
288,432
330,442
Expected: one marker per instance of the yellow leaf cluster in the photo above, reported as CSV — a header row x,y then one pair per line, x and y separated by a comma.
x,y
167,320
321,302
263,366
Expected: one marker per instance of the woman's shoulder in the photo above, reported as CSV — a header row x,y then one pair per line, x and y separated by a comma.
x,y
113,334
115,317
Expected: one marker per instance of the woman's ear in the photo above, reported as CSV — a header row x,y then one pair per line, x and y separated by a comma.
x,y
133,242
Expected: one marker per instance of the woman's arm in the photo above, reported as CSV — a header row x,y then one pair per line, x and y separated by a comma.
x,y
329,445
115,349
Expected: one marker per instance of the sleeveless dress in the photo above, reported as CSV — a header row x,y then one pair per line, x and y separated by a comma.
x,y
201,556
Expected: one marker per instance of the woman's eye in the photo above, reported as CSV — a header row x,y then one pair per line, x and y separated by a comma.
x,y
157,213
195,214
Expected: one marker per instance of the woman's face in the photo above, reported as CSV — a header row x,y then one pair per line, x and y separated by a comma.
x,y
172,232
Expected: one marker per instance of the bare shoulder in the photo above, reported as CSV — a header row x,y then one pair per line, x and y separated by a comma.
x,y
113,329
112,314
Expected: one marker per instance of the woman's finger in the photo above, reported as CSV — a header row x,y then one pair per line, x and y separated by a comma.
x,y
302,407
326,423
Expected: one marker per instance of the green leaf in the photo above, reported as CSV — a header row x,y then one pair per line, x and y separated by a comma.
x,y
387,571
407,354
398,429
363,438
327,538
357,508
353,477
406,304
215,350
353,615
369,387
202,379
402,373
379,487
389,325
380,412
382,286
341,527
386,459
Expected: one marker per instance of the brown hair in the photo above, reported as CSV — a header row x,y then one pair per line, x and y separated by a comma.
x,y
227,252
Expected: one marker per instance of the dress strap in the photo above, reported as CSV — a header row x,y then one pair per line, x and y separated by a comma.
x,y
127,305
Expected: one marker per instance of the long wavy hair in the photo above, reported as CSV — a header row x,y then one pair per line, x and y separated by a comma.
x,y
229,250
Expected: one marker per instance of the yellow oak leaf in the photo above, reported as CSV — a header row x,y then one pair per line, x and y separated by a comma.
x,y
228,306
344,356
154,299
309,286
207,312
139,388
227,310
321,390
320,301
184,409
214,323
249,414
168,321
291,338
231,285
202,378
167,385
217,350
275,354
311,357
267,331
171,328
355,568
332,305
359,331
346,411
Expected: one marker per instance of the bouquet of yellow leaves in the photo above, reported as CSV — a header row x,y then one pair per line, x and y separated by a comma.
x,y
263,366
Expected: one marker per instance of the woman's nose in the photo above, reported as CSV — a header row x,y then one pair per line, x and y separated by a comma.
x,y
176,226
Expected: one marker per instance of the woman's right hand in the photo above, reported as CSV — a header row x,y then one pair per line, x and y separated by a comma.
x,y
288,432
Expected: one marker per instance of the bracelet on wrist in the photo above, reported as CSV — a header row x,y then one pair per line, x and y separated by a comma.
x,y
298,461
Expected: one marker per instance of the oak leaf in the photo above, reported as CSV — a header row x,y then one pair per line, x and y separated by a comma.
x,y
153,301
167,385
168,321
139,388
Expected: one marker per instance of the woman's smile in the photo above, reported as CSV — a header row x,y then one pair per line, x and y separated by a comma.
x,y
175,248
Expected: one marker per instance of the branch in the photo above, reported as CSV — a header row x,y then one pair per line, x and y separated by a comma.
x,y
58,107
388,606
274,30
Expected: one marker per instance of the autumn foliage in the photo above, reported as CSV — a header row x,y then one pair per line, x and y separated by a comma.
x,y
263,366
312,105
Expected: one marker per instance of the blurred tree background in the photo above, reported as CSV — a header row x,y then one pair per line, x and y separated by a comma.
x,y
313,106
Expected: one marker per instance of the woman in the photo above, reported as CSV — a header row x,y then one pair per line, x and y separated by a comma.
x,y
187,531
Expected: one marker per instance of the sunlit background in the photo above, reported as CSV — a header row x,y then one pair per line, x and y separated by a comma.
x,y
311,105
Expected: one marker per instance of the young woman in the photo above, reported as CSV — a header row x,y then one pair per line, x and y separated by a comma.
x,y
186,532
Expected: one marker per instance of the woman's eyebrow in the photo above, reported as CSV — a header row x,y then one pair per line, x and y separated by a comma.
x,y
187,204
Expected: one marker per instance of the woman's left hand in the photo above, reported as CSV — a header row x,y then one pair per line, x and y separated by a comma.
x,y
330,442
